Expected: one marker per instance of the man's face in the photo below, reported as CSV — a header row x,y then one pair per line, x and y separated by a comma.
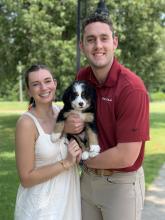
x,y
98,45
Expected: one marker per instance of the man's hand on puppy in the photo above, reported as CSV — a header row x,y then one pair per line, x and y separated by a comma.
x,y
73,124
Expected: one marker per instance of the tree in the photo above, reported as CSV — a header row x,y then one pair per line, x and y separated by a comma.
x,y
38,31
139,26
45,31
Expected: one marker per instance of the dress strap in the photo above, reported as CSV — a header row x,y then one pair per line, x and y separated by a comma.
x,y
36,122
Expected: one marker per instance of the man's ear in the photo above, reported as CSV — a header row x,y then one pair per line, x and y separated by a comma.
x,y
55,82
115,42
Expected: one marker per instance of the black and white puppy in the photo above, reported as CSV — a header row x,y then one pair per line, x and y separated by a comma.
x,y
80,98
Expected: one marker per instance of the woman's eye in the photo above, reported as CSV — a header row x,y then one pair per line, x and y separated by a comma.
x,y
35,84
83,94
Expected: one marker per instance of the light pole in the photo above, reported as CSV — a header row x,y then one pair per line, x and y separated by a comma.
x,y
78,34
81,13
102,8
19,69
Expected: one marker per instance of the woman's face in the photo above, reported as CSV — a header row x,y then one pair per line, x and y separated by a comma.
x,y
42,86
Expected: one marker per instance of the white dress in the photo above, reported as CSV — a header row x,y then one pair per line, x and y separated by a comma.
x,y
57,198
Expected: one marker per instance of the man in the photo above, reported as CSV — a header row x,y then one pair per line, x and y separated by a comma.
x,y
112,183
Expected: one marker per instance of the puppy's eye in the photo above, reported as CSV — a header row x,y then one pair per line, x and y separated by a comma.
x,y
83,94
76,94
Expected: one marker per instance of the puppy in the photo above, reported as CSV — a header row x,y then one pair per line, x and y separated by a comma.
x,y
80,98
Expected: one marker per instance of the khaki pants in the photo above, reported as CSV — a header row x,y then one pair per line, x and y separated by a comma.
x,y
116,197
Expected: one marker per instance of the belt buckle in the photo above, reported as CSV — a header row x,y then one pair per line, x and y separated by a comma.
x,y
105,172
101,173
110,172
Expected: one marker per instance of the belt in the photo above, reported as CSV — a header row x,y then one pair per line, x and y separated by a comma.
x,y
98,172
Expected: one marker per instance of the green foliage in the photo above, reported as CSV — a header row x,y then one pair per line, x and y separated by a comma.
x,y
44,31
139,26
157,96
8,91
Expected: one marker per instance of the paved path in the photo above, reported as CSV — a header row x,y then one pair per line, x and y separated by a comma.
x,y
154,206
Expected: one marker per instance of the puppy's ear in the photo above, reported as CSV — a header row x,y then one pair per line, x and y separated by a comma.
x,y
66,96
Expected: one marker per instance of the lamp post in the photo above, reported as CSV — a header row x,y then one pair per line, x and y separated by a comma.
x,y
101,9
81,13
19,69
78,35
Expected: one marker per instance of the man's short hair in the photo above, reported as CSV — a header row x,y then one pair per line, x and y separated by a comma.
x,y
97,17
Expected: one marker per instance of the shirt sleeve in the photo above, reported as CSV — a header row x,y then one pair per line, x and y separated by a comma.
x,y
132,115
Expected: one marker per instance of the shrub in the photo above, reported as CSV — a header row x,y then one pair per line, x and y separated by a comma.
x,y
157,96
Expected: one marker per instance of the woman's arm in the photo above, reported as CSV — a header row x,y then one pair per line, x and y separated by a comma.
x,y
26,135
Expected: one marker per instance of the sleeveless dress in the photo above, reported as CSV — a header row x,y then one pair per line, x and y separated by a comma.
x,y
57,198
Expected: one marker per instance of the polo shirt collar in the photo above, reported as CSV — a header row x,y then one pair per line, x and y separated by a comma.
x,y
111,78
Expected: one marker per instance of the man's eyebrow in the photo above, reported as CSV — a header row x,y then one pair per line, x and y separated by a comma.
x,y
88,36
92,35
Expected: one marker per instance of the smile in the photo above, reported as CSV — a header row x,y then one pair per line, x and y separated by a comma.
x,y
99,54
45,94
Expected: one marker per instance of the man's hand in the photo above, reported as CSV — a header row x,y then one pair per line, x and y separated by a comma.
x,y
73,124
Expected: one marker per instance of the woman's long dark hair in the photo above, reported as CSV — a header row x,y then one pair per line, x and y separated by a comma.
x,y
33,68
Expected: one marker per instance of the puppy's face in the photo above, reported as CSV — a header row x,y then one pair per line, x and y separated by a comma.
x,y
80,96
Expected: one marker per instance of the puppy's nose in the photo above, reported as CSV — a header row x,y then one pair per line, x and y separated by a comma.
x,y
81,104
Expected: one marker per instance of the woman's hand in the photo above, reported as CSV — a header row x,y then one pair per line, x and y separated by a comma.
x,y
74,153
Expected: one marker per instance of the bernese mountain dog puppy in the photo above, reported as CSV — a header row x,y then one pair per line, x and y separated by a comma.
x,y
80,98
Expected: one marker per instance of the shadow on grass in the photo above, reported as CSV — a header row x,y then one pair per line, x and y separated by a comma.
x,y
8,186
7,131
8,121
8,174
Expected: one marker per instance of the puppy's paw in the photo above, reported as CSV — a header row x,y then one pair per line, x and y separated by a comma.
x,y
95,148
85,155
93,154
55,136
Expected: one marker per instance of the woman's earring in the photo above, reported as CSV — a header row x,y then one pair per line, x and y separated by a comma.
x,y
31,103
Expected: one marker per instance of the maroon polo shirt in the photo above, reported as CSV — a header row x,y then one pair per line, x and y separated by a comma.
x,y
122,109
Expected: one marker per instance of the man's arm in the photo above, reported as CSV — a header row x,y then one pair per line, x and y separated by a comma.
x,y
122,156
73,124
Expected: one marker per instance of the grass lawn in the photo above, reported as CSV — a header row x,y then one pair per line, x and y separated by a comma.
x,y
155,148
9,113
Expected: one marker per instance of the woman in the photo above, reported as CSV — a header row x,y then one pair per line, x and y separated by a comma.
x,y
49,188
